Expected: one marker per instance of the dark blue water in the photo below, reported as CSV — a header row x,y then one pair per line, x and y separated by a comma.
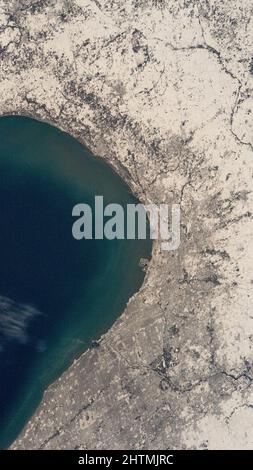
x,y
56,293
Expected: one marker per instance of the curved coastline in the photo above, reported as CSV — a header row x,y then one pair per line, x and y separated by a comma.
x,y
82,350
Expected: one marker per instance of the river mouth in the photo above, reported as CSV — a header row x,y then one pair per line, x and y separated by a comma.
x,y
57,294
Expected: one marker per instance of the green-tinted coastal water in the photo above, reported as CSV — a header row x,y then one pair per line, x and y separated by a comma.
x,y
56,293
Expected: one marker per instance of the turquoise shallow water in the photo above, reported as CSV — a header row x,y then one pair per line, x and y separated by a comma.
x,y
56,293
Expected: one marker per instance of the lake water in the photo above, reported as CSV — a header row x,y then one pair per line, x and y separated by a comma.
x,y
56,293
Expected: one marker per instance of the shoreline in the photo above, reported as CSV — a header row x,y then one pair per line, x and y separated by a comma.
x,y
155,90
93,177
